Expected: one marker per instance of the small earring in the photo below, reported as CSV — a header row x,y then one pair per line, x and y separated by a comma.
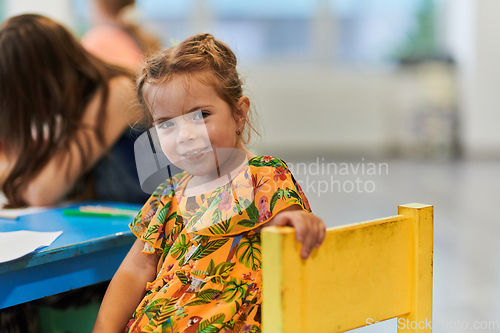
x,y
238,132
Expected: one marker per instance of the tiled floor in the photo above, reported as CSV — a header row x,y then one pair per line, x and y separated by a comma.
x,y
466,199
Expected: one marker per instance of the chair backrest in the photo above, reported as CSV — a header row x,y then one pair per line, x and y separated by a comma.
x,y
363,273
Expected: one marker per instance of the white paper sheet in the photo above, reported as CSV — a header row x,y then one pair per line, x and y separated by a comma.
x,y
15,244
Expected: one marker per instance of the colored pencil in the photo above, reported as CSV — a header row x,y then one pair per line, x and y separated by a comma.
x,y
10,217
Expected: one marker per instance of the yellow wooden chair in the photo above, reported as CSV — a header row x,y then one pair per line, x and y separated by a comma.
x,y
363,273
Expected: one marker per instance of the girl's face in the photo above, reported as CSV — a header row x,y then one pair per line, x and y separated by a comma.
x,y
192,123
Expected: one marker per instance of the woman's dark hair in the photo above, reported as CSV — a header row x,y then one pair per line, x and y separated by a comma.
x,y
199,54
46,81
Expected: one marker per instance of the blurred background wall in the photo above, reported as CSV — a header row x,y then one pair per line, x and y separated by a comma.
x,y
380,78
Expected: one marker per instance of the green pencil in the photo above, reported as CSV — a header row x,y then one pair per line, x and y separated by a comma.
x,y
77,212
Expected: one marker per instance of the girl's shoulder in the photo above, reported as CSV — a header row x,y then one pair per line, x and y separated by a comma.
x,y
272,168
272,171
266,161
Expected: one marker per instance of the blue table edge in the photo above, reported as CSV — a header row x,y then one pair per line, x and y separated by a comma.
x,y
54,254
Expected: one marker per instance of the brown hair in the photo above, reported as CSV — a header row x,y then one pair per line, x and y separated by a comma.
x,y
201,53
146,42
46,81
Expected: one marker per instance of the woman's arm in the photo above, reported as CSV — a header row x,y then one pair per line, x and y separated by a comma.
x,y
5,166
126,290
60,174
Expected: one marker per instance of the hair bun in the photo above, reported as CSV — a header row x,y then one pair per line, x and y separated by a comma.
x,y
204,37
205,45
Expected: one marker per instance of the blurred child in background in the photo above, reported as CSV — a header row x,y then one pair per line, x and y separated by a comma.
x,y
115,38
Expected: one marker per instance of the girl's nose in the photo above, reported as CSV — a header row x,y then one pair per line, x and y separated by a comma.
x,y
187,132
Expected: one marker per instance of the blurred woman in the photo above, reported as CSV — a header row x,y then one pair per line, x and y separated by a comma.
x,y
65,129
116,39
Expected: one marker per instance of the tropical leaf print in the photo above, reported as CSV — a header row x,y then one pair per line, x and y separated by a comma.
x,y
208,294
234,290
274,199
150,232
180,247
154,307
137,229
228,325
208,326
179,221
197,302
162,214
216,216
223,269
211,267
251,255
266,161
176,230
186,215
199,272
208,249
196,217
221,228
252,212
296,195
150,327
166,250
167,309
182,276
214,202
200,239
138,218
247,223
169,326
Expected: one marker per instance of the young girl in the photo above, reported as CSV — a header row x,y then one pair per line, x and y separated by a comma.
x,y
64,132
196,266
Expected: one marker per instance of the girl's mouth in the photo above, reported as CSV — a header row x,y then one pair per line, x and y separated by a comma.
x,y
194,153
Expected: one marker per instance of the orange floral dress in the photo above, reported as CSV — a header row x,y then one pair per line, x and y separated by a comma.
x,y
209,272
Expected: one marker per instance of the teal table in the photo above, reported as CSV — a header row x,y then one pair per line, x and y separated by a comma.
x,y
89,251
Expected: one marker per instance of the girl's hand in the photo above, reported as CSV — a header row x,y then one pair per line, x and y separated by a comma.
x,y
309,229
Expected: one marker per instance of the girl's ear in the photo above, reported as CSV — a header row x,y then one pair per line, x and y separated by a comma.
x,y
243,107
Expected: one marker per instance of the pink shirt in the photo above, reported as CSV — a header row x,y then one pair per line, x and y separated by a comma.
x,y
114,45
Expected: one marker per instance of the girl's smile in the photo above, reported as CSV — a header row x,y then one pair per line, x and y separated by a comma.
x,y
195,153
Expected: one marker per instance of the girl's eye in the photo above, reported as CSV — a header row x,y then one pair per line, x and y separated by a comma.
x,y
166,124
199,115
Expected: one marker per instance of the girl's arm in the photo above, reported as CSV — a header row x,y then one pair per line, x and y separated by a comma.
x,y
60,174
126,290
309,229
